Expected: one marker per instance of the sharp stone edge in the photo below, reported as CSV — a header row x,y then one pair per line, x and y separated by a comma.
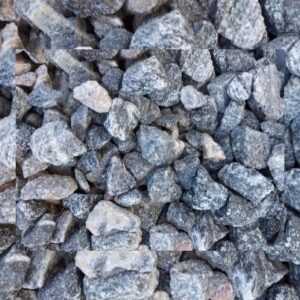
x,y
149,149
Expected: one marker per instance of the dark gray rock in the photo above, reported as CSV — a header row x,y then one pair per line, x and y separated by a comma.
x,y
7,68
81,205
97,137
81,121
206,36
14,265
48,187
251,120
55,144
118,38
186,170
283,291
170,31
44,96
82,181
7,206
205,194
217,88
291,191
122,119
40,234
157,146
166,237
42,263
119,180
291,99
112,80
78,240
197,64
247,182
24,133
64,283
266,101
239,88
233,60
7,236
240,23
252,274
296,137
250,147
162,187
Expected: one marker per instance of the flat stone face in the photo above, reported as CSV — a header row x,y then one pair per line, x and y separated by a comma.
x,y
240,22
54,143
93,95
44,96
122,119
266,101
169,31
292,99
250,147
247,182
293,59
157,146
198,65
107,218
191,98
48,187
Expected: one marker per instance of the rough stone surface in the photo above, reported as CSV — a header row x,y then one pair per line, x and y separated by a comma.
x,y
191,98
291,99
55,144
44,96
48,187
293,59
296,137
292,188
7,206
93,95
239,88
247,182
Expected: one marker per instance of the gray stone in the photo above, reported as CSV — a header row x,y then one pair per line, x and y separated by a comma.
x,y
276,165
78,240
253,274
211,150
217,88
64,224
293,59
119,180
32,166
24,133
291,191
40,234
291,99
157,146
107,263
93,95
133,197
97,137
160,295
112,80
250,147
7,68
239,88
266,101
296,137
7,236
162,187
186,170
145,77
250,120
190,280
143,7
13,265
206,37
233,115
205,118
247,182
191,98
55,144
81,205
170,31
241,23
108,218
273,129
137,165
122,119
44,96
42,263
233,60
82,181
81,121
206,194
64,283
48,187
7,206
282,291
166,237
131,285
117,241
198,65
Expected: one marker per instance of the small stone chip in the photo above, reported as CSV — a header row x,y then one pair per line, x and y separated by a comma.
x,y
54,143
93,95
122,119
191,98
239,88
44,96
247,182
49,187
157,146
